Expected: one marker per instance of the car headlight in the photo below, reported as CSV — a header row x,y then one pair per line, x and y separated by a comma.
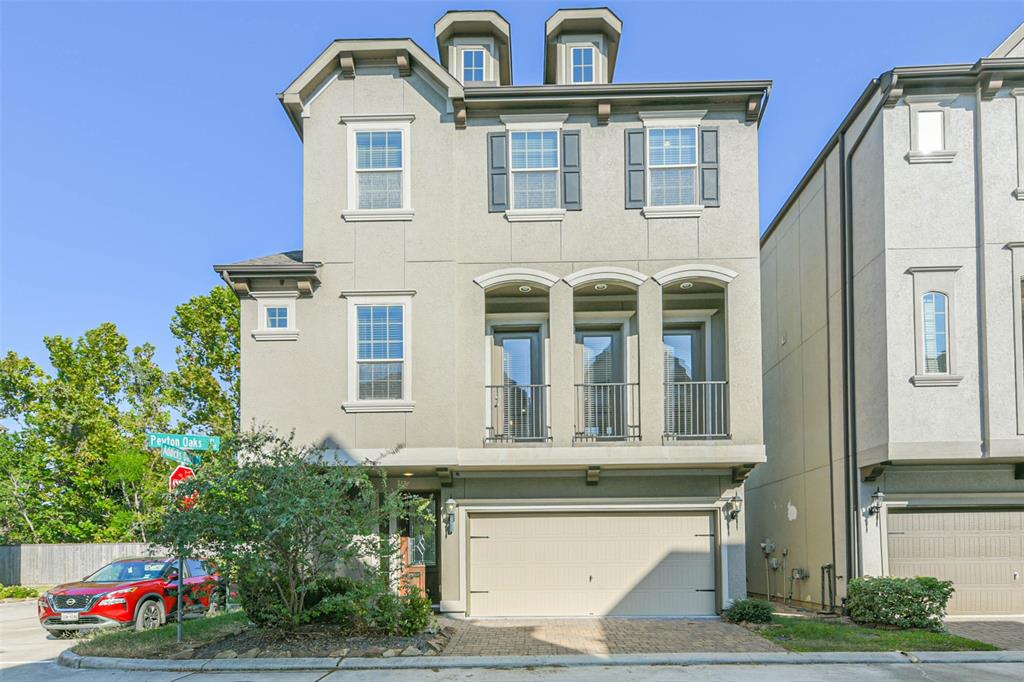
x,y
116,597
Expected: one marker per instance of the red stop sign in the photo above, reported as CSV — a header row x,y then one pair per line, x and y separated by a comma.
x,y
183,473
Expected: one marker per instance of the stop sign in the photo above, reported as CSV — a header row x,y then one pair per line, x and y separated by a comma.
x,y
180,474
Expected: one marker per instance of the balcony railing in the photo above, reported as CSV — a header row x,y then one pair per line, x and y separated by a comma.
x,y
607,412
696,409
519,413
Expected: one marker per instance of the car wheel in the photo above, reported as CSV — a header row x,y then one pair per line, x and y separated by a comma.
x,y
148,616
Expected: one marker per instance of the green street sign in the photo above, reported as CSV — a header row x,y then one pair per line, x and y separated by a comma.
x,y
180,456
183,441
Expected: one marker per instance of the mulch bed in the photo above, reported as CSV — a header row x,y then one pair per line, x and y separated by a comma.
x,y
325,641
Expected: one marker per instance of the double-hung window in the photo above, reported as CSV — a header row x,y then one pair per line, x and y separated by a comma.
x,y
379,348
534,165
379,169
582,65
472,65
672,166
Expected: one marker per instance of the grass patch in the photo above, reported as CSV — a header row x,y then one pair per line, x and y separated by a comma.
x,y
153,643
808,634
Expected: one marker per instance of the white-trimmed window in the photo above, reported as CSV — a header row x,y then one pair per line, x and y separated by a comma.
x,y
378,162
380,340
935,327
929,128
582,66
672,166
275,316
473,69
534,164
930,136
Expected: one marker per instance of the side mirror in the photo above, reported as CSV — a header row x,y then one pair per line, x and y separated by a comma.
x,y
172,577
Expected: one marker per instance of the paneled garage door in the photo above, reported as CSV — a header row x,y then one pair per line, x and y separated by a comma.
x,y
591,564
980,550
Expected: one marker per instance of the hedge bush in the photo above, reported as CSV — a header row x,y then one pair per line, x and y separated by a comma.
x,y
373,608
750,611
899,602
17,592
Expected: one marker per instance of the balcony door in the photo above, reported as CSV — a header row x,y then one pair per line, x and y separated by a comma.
x,y
694,407
518,412
602,395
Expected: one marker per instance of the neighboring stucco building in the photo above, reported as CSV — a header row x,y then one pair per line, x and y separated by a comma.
x,y
893,358
544,298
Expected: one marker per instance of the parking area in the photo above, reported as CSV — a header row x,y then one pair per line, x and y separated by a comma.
x,y
21,638
543,637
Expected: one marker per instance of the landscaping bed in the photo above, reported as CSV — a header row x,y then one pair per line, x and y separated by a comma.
x,y
233,636
814,634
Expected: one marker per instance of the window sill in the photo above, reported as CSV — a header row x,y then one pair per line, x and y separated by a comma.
x,y
524,215
931,157
356,406
672,211
275,334
936,379
381,214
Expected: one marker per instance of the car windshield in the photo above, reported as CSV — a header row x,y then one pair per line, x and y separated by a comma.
x,y
121,571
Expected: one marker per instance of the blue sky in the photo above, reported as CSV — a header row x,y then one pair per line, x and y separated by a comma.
x,y
142,142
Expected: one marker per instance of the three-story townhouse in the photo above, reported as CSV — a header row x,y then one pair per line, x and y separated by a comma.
x,y
538,305
893,356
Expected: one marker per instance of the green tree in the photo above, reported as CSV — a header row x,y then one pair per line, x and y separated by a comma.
x,y
205,384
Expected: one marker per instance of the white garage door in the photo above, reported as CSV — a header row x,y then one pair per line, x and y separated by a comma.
x,y
981,551
591,564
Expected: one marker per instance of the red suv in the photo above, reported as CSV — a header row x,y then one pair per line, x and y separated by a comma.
x,y
140,592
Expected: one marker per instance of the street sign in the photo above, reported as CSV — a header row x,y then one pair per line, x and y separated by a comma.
x,y
183,441
180,474
180,456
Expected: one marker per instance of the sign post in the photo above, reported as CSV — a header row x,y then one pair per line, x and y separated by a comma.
x,y
180,448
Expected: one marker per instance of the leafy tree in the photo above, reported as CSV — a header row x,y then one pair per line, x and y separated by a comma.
x,y
280,519
205,385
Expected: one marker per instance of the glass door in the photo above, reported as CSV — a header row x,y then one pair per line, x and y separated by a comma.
x,y
685,389
602,391
517,393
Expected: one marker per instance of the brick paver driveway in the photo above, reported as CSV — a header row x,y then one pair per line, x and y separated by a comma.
x,y
1005,634
515,637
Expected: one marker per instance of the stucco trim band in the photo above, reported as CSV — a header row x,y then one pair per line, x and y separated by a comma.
x,y
607,273
695,271
511,275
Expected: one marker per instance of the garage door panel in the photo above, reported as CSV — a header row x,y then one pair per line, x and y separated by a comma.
x,y
571,564
979,550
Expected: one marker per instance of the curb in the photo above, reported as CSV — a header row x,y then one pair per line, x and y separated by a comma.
x,y
73,660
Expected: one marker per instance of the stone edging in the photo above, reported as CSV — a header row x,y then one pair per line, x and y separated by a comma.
x,y
73,660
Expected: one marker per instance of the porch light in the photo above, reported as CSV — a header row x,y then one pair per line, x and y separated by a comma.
x,y
877,498
600,287
450,507
733,507
525,289
686,285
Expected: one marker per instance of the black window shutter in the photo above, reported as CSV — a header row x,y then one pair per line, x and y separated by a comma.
x,y
709,167
497,172
636,162
572,191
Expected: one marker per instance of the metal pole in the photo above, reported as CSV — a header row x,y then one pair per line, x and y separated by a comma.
x,y
181,588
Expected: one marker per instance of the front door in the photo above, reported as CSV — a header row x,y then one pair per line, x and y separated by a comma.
x,y
420,544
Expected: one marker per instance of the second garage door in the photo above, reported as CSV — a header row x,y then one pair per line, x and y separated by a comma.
x,y
980,550
591,564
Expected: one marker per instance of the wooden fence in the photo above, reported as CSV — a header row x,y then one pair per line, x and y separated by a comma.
x,y
54,564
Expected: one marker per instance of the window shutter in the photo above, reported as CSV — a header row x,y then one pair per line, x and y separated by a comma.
x,y
709,167
497,172
636,162
572,191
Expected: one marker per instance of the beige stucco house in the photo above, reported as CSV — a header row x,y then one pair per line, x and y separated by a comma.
x,y
893,358
538,305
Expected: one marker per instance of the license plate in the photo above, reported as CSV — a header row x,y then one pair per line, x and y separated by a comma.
x,y
68,617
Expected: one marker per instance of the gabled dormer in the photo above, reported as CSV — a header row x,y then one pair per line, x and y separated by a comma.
x,y
581,46
475,46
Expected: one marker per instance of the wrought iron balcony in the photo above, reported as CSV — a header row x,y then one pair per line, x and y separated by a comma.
x,y
518,413
696,409
607,412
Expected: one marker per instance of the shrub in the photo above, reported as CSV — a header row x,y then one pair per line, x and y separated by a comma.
x,y
373,608
17,592
749,611
900,602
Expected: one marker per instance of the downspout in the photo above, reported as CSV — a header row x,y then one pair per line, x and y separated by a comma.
x,y
854,554
979,211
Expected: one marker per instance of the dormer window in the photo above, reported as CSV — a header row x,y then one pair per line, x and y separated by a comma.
x,y
582,65
472,65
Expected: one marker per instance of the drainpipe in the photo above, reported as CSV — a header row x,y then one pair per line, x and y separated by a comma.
x,y
980,279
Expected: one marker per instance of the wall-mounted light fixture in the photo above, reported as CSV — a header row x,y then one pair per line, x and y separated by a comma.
x,y
733,507
450,509
877,498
